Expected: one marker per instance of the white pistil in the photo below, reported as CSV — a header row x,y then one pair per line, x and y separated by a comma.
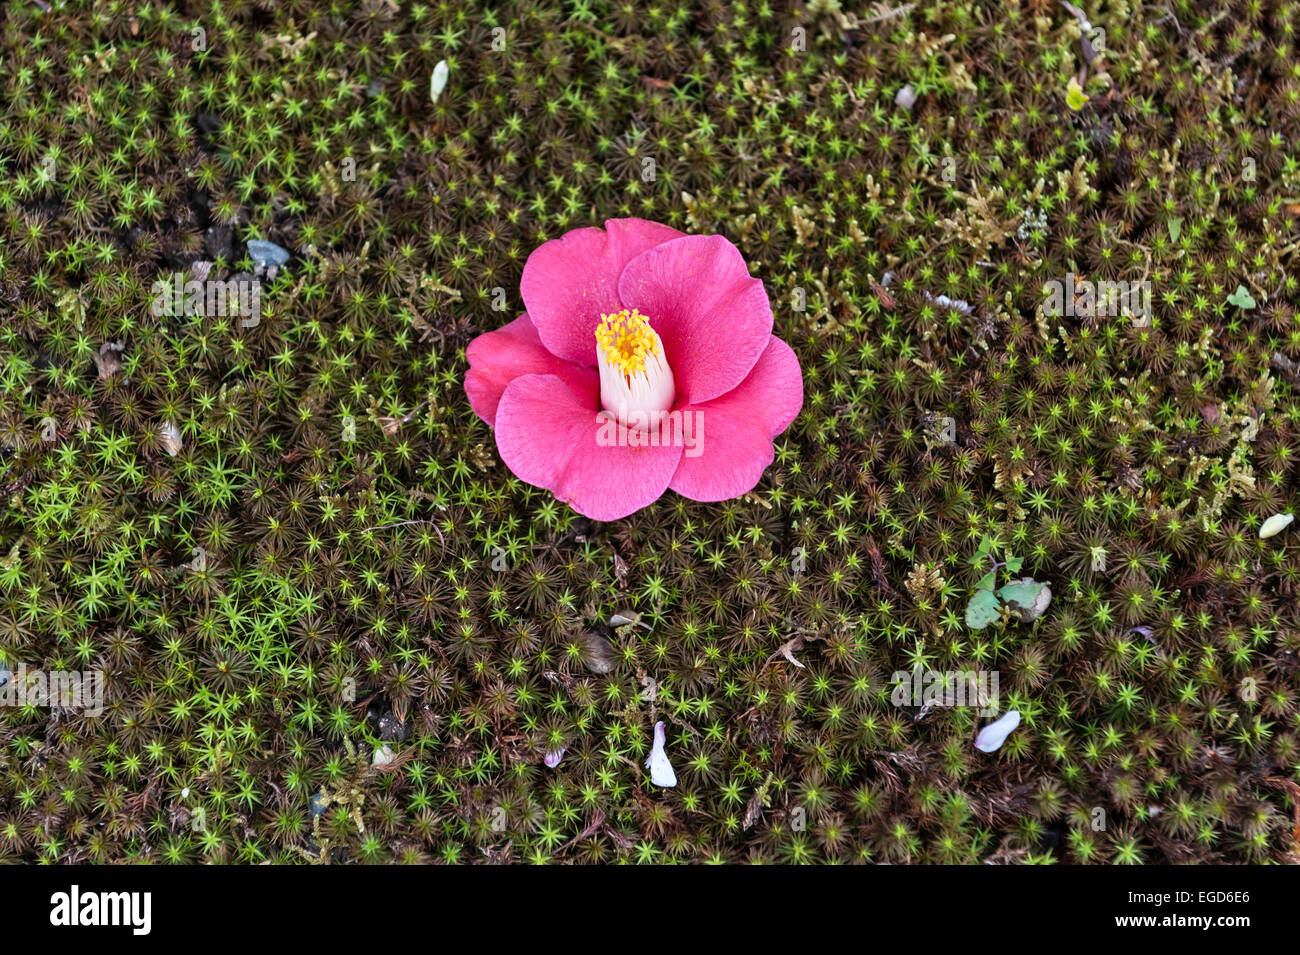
x,y
636,382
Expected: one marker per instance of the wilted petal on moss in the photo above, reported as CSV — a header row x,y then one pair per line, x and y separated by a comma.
x,y
991,737
169,436
1275,525
661,770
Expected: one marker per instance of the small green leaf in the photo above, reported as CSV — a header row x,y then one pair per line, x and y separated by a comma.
x,y
1014,564
1027,597
987,581
1175,229
1020,592
1241,298
982,610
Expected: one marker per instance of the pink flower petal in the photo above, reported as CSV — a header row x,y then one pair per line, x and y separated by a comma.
x,y
713,317
498,358
738,428
546,434
570,281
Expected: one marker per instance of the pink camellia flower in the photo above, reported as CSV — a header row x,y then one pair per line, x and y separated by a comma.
x,y
645,360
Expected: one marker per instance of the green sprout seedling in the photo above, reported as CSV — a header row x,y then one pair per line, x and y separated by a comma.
x,y
1027,597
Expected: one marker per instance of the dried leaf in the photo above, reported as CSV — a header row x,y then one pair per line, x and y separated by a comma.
x,y
598,654
107,362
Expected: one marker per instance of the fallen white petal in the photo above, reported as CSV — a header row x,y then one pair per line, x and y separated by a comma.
x,y
995,734
661,770
438,82
959,304
554,756
1275,525
169,436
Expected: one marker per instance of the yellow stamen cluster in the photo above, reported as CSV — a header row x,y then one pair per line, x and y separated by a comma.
x,y
626,340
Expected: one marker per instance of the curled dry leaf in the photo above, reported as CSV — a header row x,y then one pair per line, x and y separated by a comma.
x,y
627,618
882,294
598,654
786,651
107,362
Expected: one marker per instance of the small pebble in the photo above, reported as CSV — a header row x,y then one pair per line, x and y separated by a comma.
x,y
267,253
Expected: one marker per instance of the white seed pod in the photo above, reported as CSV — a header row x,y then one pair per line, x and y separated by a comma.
x,y
992,737
661,770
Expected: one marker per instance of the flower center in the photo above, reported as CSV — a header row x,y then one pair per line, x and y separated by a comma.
x,y
635,380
